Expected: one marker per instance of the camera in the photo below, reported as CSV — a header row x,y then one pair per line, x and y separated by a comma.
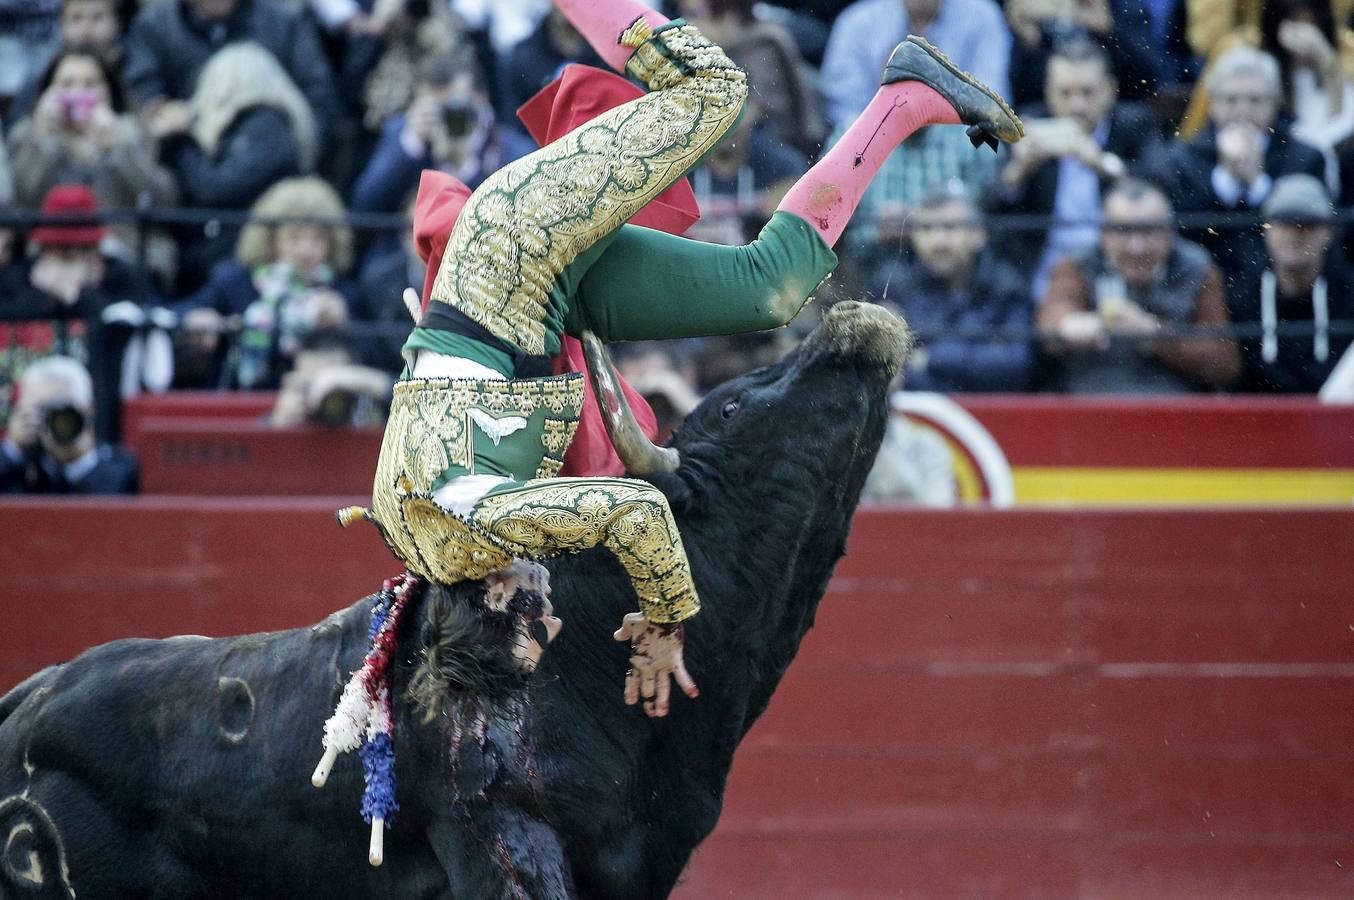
x,y
336,409
460,117
64,423
77,107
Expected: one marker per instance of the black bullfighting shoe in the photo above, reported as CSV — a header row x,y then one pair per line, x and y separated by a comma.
x,y
988,116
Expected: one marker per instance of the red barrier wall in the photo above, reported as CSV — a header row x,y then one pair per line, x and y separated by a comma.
x,y
1072,447
1029,703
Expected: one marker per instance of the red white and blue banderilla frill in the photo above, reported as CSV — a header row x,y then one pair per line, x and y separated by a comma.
x,y
362,720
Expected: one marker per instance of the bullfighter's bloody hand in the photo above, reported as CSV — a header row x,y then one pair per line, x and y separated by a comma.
x,y
655,654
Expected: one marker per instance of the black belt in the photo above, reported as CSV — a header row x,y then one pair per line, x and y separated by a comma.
x,y
444,317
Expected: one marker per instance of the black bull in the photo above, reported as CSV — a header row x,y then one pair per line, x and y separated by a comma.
x,y
181,768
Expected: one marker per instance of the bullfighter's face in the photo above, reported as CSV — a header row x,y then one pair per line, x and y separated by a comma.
x,y
534,633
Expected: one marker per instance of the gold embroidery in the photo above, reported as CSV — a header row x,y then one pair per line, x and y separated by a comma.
x,y
629,517
531,219
428,433
538,519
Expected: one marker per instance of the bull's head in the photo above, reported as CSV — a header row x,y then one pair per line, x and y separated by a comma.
x,y
764,477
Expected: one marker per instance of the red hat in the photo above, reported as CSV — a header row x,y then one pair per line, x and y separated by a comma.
x,y
70,201
582,93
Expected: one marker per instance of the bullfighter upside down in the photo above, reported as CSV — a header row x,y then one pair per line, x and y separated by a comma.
x,y
466,480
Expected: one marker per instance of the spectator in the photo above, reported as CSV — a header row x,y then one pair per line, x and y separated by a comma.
x,y
387,271
787,109
92,24
79,133
381,58
49,445
504,22
170,42
1302,285
974,35
29,32
1231,165
1145,41
287,280
972,330
73,300
96,24
1037,28
450,126
1216,27
1318,96
327,387
536,61
652,369
1075,146
740,183
1109,311
6,183
246,128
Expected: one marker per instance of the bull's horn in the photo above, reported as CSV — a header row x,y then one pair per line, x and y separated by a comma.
x,y
636,451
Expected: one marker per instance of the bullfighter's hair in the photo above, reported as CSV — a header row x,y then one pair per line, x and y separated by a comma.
x,y
466,668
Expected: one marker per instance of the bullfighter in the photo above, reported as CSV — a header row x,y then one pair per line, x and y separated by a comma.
x,y
467,478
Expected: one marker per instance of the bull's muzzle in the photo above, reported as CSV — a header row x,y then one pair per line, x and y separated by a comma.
x,y
863,331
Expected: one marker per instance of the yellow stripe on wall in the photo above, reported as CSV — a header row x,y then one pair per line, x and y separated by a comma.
x,y
1087,486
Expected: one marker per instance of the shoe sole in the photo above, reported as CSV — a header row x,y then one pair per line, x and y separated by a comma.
x,y
939,56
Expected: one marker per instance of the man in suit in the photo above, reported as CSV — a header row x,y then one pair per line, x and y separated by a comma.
x,y
1231,166
1077,143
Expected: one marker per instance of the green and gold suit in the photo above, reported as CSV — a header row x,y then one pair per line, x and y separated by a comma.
x,y
541,248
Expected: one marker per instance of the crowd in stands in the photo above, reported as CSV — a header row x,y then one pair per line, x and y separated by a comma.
x,y
214,194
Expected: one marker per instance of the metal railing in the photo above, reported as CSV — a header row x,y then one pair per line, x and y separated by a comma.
x,y
147,219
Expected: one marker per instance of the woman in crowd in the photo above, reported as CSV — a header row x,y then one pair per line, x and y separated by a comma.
x,y
246,127
288,279
1301,35
78,132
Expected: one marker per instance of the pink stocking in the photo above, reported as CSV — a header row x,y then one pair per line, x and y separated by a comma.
x,y
827,195
602,21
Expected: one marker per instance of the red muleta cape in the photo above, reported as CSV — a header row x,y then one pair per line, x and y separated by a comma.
x,y
578,95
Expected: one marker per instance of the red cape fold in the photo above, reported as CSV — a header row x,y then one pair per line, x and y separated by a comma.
x,y
578,95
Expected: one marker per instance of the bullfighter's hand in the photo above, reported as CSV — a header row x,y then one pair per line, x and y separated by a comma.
x,y
655,654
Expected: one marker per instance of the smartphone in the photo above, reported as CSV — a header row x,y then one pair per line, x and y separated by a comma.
x,y
1058,135
77,107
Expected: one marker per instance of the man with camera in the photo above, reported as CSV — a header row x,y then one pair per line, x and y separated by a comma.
x,y
49,445
1080,140
449,126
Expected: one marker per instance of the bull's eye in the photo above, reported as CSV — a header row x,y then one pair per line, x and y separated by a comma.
x,y
728,409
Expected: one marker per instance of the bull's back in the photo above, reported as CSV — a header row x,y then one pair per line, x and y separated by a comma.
x,y
180,768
